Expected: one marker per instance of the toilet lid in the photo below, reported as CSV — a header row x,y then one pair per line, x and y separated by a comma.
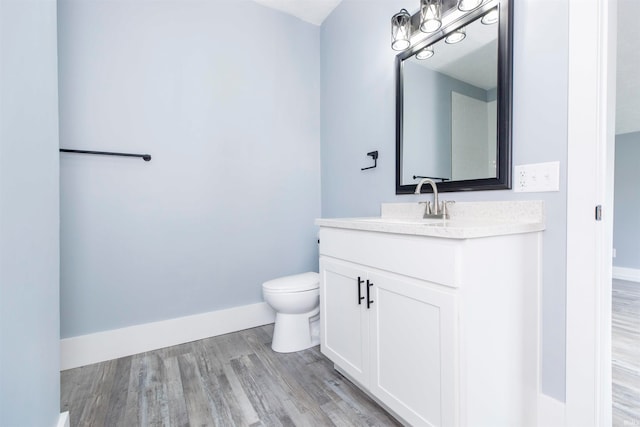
x,y
295,283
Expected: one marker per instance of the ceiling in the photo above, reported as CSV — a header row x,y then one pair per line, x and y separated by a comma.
x,y
312,11
472,61
628,66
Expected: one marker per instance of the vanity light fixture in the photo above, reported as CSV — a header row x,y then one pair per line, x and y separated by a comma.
x,y
490,17
400,30
456,36
430,15
467,5
425,53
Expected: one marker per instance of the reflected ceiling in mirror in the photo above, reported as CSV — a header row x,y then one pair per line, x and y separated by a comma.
x,y
454,106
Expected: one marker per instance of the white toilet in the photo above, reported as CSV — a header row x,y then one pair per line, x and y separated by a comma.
x,y
296,301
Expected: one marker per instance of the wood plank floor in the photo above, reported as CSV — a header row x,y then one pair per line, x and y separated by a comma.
x,y
230,380
626,353
236,380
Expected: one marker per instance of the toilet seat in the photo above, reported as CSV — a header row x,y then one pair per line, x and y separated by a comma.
x,y
296,283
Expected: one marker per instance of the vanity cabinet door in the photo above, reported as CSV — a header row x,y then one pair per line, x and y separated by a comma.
x,y
344,317
413,350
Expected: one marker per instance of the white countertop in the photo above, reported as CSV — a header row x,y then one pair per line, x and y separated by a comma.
x,y
492,219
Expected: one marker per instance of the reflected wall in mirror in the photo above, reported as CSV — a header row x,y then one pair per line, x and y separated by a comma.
x,y
454,107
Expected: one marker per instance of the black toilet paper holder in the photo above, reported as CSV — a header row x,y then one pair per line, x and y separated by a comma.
x,y
374,155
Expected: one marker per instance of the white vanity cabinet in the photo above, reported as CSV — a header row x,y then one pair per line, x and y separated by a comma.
x,y
441,331
396,341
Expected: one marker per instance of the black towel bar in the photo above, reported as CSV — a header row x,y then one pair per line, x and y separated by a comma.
x,y
430,177
145,157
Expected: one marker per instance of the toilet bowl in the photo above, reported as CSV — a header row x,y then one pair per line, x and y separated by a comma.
x,y
296,301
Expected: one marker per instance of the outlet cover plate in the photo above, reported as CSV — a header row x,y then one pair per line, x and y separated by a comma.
x,y
537,177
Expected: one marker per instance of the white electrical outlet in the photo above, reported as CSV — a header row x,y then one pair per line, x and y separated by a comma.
x,y
537,177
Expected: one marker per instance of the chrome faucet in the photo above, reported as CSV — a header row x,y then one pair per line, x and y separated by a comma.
x,y
438,210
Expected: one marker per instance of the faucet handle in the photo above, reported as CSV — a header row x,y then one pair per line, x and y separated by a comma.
x,y
428,209
444,207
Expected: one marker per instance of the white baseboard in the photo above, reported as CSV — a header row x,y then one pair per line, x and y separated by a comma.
x,y
624,273
93,348
551,412
63,420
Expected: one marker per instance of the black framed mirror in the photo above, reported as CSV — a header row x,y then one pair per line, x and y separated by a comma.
x,y
453,108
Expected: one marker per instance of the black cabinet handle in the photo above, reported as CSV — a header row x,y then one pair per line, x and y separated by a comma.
x,y
369,300
360,297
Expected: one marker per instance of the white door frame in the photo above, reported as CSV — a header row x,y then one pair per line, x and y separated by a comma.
x,y
591,123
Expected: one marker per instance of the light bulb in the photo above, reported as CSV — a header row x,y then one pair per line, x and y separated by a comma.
x,y
490,17
456,37
430,15
400,30
467,5
425,53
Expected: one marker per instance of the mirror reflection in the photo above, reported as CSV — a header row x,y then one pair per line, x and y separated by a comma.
x,y
449,106
453,100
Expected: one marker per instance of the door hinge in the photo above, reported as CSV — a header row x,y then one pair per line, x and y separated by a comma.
x,y
599,213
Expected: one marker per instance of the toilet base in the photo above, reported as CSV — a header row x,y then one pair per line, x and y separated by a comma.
x,y
296,332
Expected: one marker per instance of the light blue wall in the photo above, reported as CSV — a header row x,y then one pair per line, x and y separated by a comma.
x,y
29,215
626,223
358,115
225,96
